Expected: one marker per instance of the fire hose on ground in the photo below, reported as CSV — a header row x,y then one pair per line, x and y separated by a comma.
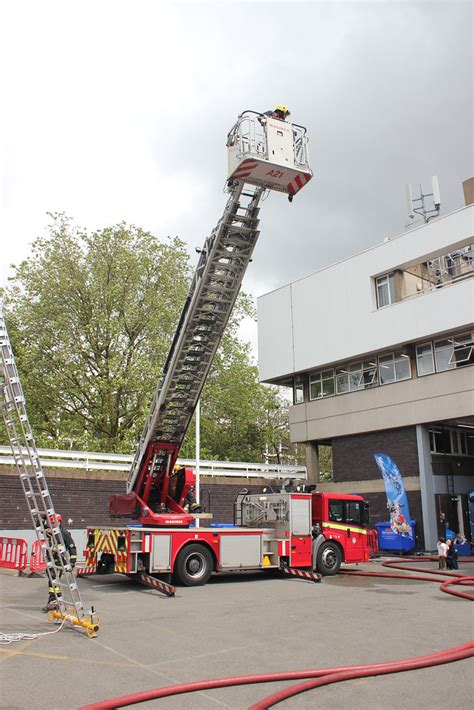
x,y
323,676
453,577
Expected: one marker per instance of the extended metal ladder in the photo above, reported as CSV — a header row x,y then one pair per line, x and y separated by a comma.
x,y
214,289
35,488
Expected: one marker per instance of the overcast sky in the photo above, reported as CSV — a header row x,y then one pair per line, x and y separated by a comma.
x,y
118,111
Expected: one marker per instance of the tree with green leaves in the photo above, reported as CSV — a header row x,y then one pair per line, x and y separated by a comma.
x,y
91,318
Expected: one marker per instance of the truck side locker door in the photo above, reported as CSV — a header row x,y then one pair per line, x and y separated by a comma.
x,y
160,553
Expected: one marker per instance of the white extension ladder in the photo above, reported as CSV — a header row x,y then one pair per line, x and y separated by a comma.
x,y
33,481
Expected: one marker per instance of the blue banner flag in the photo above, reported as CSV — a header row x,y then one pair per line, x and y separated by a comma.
x,y
397,502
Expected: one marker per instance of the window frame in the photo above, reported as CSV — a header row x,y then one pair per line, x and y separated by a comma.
x,y
360,505
369,368
459,346
387,280
341,372
337,502
319,378
438,349
451,442
433,363
397,356
298,386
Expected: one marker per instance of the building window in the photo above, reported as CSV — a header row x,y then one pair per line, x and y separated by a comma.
x,y
342,380
362,374
394,367
463,346
298,392
452,442
385,288
444,352
424,359
449,353
321,384
368,376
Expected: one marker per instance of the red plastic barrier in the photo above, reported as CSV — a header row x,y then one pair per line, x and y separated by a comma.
x,y
13,553
37,562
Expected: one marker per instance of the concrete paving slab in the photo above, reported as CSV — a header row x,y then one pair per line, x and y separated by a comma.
x,y
237,624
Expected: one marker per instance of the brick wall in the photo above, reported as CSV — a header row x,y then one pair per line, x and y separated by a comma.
x,y
451,465
353,456
84,499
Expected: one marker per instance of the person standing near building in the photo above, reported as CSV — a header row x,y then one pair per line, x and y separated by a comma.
x,y
452,555
442,553
54,590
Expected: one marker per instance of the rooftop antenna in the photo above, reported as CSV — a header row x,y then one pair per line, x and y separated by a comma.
x,y
421,208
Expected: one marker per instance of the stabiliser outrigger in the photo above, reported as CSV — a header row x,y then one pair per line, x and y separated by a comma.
x,y
274,531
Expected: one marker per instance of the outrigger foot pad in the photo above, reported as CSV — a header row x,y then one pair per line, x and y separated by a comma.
x,y
313,576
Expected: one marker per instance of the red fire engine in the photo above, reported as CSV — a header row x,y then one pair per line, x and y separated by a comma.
x,y
316,531
289,529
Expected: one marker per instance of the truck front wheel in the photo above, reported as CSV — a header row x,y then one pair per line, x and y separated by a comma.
x,y
194,565
329,559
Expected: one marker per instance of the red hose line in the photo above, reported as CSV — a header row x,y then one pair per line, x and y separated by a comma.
x,y
453,577
453,654
444,656
323,676
457,592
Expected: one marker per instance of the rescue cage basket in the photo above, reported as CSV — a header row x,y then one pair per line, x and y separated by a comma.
x,y
250,134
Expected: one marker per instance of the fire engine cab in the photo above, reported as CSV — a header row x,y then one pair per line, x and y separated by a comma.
x,y
286,529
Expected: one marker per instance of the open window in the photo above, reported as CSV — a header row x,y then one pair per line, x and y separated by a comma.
x,y
463,347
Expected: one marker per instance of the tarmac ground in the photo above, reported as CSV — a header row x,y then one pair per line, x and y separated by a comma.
x,y
238,624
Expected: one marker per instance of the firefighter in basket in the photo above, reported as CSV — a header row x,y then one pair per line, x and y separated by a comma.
x,y
280,112
54,590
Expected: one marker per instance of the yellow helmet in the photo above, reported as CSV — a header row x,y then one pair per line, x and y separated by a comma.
x,y
283,109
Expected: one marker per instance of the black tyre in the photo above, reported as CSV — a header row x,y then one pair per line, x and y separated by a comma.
x,y
329,559
194,565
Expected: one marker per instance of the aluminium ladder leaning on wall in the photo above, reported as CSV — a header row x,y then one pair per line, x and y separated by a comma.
x,y
35,488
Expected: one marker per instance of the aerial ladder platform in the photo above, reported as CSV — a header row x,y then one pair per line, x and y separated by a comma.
x,y
264,154
38,498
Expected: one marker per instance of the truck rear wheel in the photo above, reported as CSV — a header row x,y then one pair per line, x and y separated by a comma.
x,y
194,565
329,559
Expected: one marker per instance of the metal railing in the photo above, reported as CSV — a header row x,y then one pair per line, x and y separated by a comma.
x,y
98,461
447,268
249,132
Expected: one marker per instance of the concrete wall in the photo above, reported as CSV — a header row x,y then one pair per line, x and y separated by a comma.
x,y
444,395
332,315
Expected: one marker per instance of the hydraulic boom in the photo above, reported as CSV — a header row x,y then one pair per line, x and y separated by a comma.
x,y
263,154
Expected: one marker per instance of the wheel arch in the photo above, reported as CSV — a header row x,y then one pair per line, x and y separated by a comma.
x,y
319,541
188,543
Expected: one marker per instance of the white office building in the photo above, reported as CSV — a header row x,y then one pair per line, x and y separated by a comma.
x,y
379,352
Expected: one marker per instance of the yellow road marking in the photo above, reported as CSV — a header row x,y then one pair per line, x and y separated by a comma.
x,y
15,652
8,653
